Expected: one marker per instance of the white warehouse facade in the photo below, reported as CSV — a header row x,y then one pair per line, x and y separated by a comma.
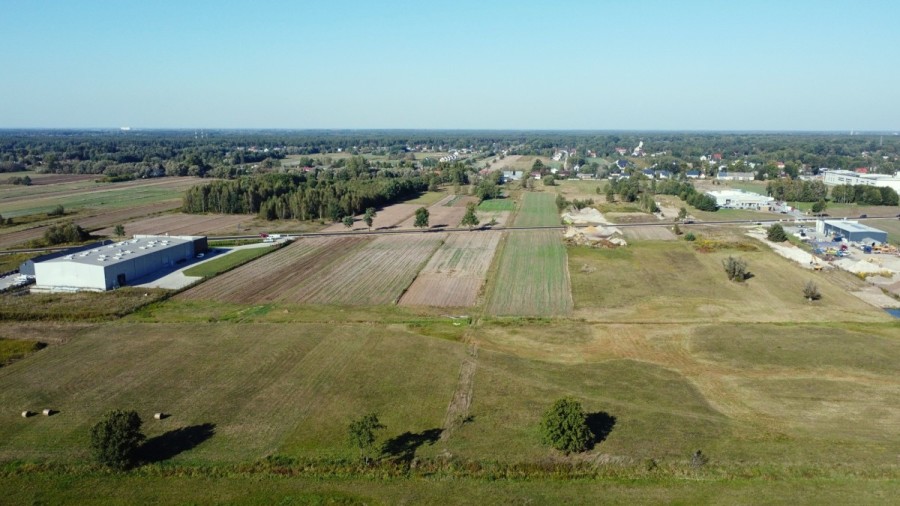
x,y
834,177
115,265
739,199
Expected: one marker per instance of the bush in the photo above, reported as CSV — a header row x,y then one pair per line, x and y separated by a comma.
x,y
65,233
564,427
690,236
735,268
811,291
776,233
116,438
57,211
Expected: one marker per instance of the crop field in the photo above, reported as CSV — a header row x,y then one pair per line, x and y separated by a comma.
x,y
655,281
456,272
532,277
537,209
98,196
104,218
345,270
185,224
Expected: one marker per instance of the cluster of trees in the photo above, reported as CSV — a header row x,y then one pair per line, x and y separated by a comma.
x,y
863,194
635,188
20,180
297,196
795,190
65,233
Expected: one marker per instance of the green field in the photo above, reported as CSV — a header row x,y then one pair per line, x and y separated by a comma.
x,y
112,199
13,349
426,199
537,210
531,277
494,205
227,262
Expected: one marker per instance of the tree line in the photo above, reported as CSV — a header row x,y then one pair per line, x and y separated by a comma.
x,y
299,196
865,194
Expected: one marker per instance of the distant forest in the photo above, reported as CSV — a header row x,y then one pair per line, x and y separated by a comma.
x,y
120,155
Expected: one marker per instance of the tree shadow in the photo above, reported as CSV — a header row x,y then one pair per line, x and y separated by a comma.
x,y
403,447
601,424
442,225
170,444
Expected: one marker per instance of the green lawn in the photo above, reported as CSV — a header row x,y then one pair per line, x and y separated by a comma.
x,y
426,199
12,350
493,205
227,262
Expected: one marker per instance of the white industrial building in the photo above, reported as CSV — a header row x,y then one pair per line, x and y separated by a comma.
x,y
740,199
115,265
834,177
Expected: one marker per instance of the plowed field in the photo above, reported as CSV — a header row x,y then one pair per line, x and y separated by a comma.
x,y
185,224
321,270
456,272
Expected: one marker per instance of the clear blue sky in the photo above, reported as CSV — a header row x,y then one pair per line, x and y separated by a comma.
x,y
723,65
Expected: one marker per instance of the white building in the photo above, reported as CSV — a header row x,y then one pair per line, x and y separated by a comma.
x,y
739,199
114,265
834,177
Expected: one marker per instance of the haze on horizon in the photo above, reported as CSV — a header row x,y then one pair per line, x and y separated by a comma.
x,y
644,65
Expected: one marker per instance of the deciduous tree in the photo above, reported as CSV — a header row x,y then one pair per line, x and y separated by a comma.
x,y
116,438
564,426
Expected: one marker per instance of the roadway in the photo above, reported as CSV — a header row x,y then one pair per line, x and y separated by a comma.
x,y
658,223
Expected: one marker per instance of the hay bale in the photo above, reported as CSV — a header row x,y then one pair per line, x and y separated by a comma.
x,y
47,412
159,416
26,414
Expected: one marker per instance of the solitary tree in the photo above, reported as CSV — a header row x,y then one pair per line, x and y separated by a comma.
x,y
736,268
564,426
610,194
682,214
819,206
347,221
120,230
470,219
549,181
362,434
421,218
116,438
776,233
369,217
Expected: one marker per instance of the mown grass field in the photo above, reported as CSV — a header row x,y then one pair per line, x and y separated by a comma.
x,y
224,263
505,204
538,209
671,281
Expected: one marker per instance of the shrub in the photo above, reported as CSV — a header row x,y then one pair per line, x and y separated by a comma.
x,y
811,291
690,236
776,233
564,426
735,268
116,438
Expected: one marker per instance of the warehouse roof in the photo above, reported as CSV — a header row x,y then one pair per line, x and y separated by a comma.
x,y
852,226
123,251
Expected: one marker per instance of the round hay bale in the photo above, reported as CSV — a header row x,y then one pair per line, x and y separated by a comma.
x,y
26,414
47,412
159,416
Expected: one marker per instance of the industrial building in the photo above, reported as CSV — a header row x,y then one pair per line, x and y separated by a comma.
x,y
739,199
840,177
115,265
853,231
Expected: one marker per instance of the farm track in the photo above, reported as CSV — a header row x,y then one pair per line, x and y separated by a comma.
x,y
461,402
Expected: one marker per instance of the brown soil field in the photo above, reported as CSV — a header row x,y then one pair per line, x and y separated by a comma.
x,y
281,271
387,218
455,274
325,270
106,219
446,213
649,233
501,217
185,224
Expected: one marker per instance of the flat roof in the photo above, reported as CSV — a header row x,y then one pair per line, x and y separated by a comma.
x,y
852,226
123,251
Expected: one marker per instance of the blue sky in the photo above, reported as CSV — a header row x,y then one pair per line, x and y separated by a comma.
x,y
673,65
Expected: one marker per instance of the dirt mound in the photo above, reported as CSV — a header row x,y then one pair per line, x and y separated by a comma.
x,y
583,217
595,237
